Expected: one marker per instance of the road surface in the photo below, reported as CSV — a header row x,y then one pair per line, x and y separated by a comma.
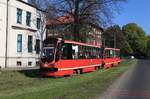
x,y
134,84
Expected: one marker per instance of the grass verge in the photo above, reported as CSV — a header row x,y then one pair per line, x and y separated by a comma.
x,y
25,85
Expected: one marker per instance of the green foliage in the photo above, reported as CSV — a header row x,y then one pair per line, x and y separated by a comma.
x,y
125,48
131,39
115,32
109,35
136,37
17,85
148,46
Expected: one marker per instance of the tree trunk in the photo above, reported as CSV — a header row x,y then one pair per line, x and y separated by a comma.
x,y
76,21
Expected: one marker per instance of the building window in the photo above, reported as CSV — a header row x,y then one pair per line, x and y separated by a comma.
x,y
19,16
28,18
30,38
19,43
29,63
38,23
19,63
37,46
37,63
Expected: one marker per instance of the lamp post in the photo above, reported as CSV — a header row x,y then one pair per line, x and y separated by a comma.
x,y
103,42
114,40
6,45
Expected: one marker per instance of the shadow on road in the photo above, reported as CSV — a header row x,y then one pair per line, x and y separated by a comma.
x,y
34,73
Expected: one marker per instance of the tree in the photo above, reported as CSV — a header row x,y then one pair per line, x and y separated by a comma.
x,y
148,46
41,28
111,34
115,38
136,37
40,22
84,12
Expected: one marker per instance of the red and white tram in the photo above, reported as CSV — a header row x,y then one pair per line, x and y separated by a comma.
x,y
64,57
111,57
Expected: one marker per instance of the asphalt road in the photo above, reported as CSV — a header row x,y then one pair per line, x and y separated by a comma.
x,y
134,84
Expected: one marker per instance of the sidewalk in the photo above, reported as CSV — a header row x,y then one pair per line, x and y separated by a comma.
x,y
20,68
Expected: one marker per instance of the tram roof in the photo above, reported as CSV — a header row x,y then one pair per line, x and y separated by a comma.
x,y
112,49
79,43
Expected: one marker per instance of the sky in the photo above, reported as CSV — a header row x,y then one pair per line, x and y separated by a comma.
x,y
135,11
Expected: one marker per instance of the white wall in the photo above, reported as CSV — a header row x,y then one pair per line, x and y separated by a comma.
x,y
13,55
2,32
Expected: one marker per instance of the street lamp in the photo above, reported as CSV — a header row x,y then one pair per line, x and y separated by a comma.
x,y
114,40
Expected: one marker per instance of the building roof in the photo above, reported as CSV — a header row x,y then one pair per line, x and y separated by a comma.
x,y
62,20
96,26
68,19
30,5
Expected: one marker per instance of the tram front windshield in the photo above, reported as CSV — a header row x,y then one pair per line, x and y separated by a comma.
x,y
48,52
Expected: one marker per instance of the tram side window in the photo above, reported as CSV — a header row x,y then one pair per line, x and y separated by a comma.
x,y
66,51
75,51
96,53
117,53
93,52
111,53
100,53
87,52
81,52
107,54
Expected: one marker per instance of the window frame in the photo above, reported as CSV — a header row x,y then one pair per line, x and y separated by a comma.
x,y
37,46
38,23
19,43
30,43
19,15
28,18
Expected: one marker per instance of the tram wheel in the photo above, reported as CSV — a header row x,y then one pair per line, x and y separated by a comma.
x,y
78,71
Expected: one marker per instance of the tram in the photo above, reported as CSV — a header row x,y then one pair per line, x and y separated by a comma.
x,y
65,57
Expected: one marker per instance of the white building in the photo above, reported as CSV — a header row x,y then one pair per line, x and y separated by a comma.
x,y
20,28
